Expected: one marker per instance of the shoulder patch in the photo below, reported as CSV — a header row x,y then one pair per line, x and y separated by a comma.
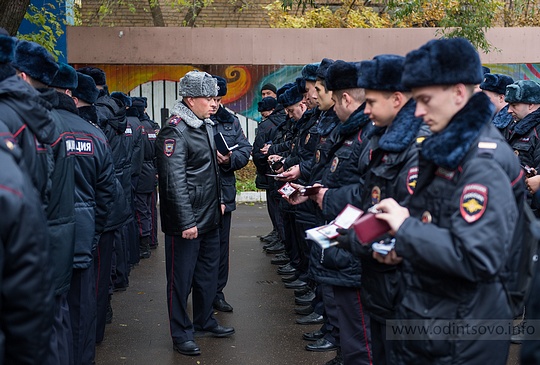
x,y
473,202
174,120
168,147
412,178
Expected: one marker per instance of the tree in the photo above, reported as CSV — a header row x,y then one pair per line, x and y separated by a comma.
x,y
12,14
457,18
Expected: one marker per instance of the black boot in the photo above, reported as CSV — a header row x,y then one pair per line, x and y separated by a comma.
x,y
144,247
109,316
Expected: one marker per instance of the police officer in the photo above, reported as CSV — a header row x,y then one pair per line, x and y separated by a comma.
x,y
393,172
147,179
263,139
231,130
454,236
112,120
95,190
190,212
27,308
494,86
37,67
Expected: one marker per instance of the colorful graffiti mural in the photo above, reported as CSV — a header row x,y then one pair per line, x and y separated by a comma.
x,y
244,82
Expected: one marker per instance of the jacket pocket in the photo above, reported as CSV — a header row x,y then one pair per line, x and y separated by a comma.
x,y
426,329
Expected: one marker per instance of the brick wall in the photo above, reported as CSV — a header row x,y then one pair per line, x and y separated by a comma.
x,y
221,13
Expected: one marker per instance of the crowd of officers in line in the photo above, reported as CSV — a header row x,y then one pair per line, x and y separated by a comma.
x,y
78,193
446,153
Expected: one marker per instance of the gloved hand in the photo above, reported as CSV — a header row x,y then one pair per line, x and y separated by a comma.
x,y
346,238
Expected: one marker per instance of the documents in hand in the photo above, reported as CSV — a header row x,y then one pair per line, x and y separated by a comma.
x,y
222,145
326,235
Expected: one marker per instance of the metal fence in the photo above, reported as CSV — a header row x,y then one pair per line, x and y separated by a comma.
x,y
162,95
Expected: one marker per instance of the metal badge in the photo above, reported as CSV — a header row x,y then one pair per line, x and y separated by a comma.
x,y
426,217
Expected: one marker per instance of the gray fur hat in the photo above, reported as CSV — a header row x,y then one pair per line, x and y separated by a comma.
x,y
198,84
523,91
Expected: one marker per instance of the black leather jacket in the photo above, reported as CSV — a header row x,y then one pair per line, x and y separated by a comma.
x,y
189,188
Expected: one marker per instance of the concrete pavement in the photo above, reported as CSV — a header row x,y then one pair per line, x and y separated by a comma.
x,y
263,311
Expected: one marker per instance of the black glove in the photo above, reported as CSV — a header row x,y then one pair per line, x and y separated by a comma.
x,y
346,238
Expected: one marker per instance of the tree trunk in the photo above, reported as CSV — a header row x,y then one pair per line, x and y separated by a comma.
x,y
157,16
12,14
193,13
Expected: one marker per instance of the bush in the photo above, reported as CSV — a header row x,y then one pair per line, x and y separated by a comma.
x,y
245,178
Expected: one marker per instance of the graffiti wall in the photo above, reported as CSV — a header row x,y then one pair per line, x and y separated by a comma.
x,y
159,82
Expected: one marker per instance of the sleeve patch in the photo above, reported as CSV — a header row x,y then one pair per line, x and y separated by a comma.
x,y
168,147
473,202
412,178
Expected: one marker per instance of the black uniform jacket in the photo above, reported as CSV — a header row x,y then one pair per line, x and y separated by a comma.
x,y
189,189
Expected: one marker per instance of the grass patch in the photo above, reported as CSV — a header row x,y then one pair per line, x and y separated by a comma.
x,y
245,178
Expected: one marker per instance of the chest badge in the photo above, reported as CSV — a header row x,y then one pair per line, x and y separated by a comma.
x,y
307,138
168,147
375,195
412,178
318,156
334,165
473,202
426,217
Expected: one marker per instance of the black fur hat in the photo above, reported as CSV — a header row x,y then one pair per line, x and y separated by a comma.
x,y
309,71
523,91
95,73
139,101
86,89
291,97
284,88
342,75
126,99
35,60
266,104
383,73
7,49
270,87
443,62
496,83
485,70
66,77
222,84
301,85
323,67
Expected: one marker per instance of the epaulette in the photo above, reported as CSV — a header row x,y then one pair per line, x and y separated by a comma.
x,y
486,148
94,124
174,120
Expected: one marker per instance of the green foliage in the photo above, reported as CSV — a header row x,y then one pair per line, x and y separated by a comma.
x,y
471,19
520,13
457,18
347,16
48,24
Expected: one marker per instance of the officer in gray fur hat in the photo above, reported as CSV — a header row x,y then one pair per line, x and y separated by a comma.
x,y
191,211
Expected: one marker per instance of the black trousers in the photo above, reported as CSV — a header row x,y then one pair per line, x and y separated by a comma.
x,y
102,271
191,264
223,272
354,328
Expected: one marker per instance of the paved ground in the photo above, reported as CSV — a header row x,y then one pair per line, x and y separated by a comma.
x,y
263,311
